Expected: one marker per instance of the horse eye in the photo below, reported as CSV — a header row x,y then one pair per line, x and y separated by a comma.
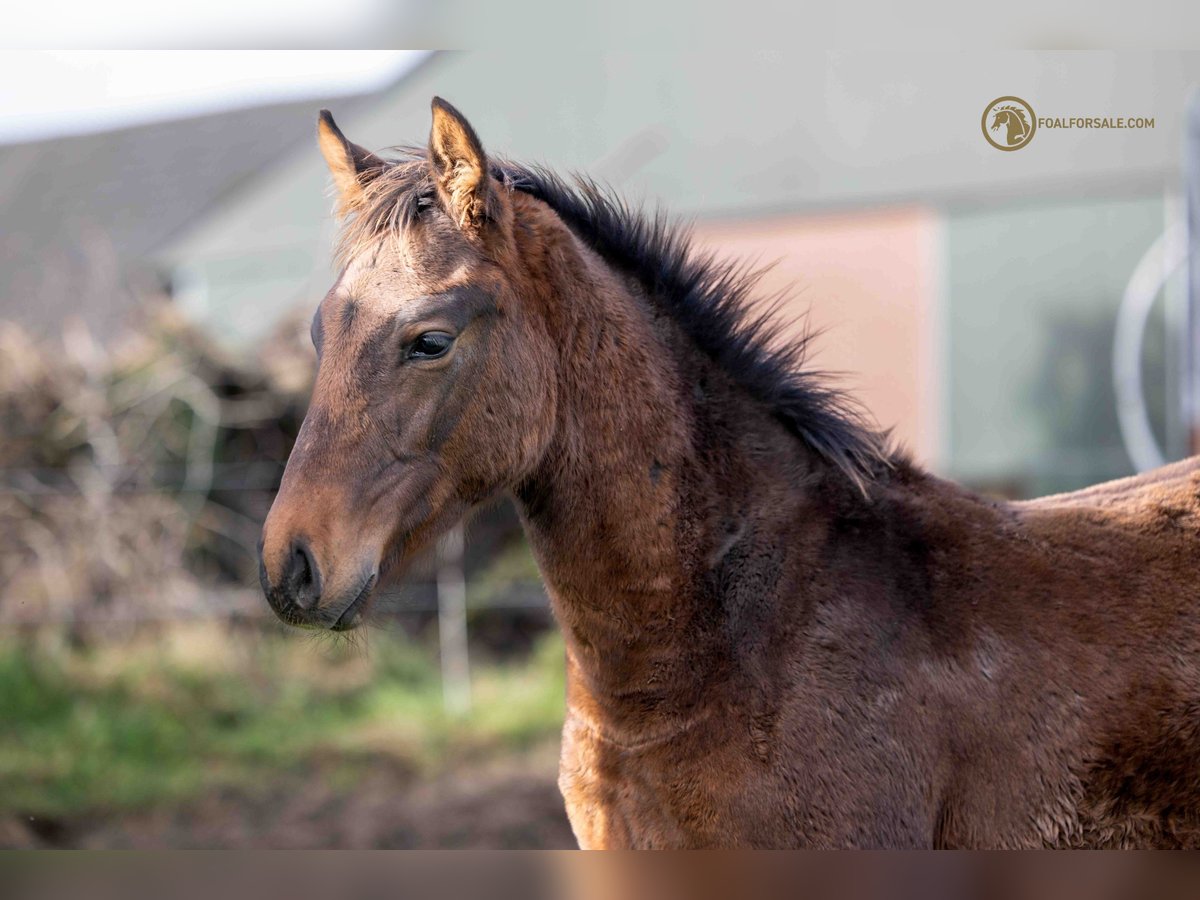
x,y
430,345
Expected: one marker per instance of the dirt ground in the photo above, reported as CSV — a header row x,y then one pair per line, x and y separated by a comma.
x,y
511,803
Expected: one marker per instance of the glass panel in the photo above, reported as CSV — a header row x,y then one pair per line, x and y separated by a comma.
x,y
1032,297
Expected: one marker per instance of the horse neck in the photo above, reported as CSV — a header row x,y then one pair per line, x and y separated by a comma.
x,y
661,473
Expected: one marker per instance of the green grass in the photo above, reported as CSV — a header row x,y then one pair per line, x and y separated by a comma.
x,y
162,719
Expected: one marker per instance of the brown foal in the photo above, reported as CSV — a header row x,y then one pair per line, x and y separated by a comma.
x,y
779,632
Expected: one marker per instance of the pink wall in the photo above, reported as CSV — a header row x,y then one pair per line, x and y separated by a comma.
x,y
869,281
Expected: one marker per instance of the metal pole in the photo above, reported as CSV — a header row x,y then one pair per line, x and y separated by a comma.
x,y
452,623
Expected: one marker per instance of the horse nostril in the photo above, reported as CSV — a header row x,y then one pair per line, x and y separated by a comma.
x,y
303,577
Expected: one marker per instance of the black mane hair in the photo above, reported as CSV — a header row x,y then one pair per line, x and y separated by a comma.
x,y
712,300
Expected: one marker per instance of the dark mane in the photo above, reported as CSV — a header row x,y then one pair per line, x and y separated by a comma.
x,y
712,300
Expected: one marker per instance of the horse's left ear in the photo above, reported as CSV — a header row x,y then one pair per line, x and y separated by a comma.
x,y
351,166
460,167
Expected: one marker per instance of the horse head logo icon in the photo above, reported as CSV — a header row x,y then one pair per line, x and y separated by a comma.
x,y
1009,123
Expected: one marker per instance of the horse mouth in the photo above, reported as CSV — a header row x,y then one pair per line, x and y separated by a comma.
x,y
352,616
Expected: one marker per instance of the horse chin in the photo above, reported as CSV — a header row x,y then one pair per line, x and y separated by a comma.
x,y
355,612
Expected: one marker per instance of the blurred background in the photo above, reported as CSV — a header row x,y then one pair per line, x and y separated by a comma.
x,y
1026,322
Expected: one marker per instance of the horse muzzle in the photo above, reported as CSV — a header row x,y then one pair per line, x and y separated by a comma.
x,y
300,595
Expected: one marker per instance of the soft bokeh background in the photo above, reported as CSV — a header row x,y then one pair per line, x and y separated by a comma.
x,y
165,229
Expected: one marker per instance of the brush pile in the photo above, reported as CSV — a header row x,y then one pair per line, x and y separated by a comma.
x,y
133,480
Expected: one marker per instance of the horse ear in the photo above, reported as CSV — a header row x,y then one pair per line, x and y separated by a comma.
x,y
352,166
459,165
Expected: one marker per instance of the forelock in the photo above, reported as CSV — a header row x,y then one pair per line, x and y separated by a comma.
x,y
387,205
